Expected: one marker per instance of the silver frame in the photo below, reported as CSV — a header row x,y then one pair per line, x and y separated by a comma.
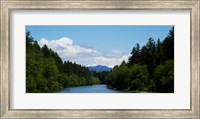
x,y
8,5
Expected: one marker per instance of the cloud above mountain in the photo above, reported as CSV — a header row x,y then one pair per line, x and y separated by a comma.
x,y
83,55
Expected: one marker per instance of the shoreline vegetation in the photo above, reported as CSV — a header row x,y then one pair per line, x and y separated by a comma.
x,y
46,72
150,69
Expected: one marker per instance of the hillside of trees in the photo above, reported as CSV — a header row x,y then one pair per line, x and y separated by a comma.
x,y
101,75
46,72
149,68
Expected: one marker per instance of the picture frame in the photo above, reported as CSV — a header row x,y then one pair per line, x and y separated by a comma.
x,y
8,6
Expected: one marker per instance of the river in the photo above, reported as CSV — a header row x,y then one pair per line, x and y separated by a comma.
x,y
89,89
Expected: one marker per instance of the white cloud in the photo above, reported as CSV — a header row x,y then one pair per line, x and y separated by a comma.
x,y
42,42
117,52
83,55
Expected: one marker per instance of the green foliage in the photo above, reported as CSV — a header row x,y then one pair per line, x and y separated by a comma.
x,y
135,55
128,78
46,72
101,75
164,77
139,76
148,69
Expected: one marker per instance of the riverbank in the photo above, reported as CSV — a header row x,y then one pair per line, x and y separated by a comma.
x,y
128,90
101,88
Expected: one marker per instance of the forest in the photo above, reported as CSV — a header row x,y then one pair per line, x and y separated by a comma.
x,y
150,68
46,72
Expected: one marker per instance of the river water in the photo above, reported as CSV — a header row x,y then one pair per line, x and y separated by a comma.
x,y
89,89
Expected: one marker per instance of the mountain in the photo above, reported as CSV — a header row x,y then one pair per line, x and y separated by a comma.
x,y
99,68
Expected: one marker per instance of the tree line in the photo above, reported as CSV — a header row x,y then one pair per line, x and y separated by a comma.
x,y
149,68
46,72
101,75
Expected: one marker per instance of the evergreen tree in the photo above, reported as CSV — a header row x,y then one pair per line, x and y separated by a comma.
x,y
134,59
46,72
150,68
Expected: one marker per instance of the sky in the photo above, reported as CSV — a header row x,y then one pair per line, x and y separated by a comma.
x,y
95,45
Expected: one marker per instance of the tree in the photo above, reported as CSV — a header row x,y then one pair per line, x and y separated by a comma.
x,y
148,69
123,63
45,51
151,63
46,72
159,53
164,77
168,45
139,76
135,53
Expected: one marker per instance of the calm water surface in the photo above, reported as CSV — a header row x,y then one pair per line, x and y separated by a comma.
x,y
89,89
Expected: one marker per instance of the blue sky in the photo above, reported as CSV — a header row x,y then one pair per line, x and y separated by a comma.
x,y
106,40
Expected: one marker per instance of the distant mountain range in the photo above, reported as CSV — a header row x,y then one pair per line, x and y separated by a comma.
x,y
99,68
